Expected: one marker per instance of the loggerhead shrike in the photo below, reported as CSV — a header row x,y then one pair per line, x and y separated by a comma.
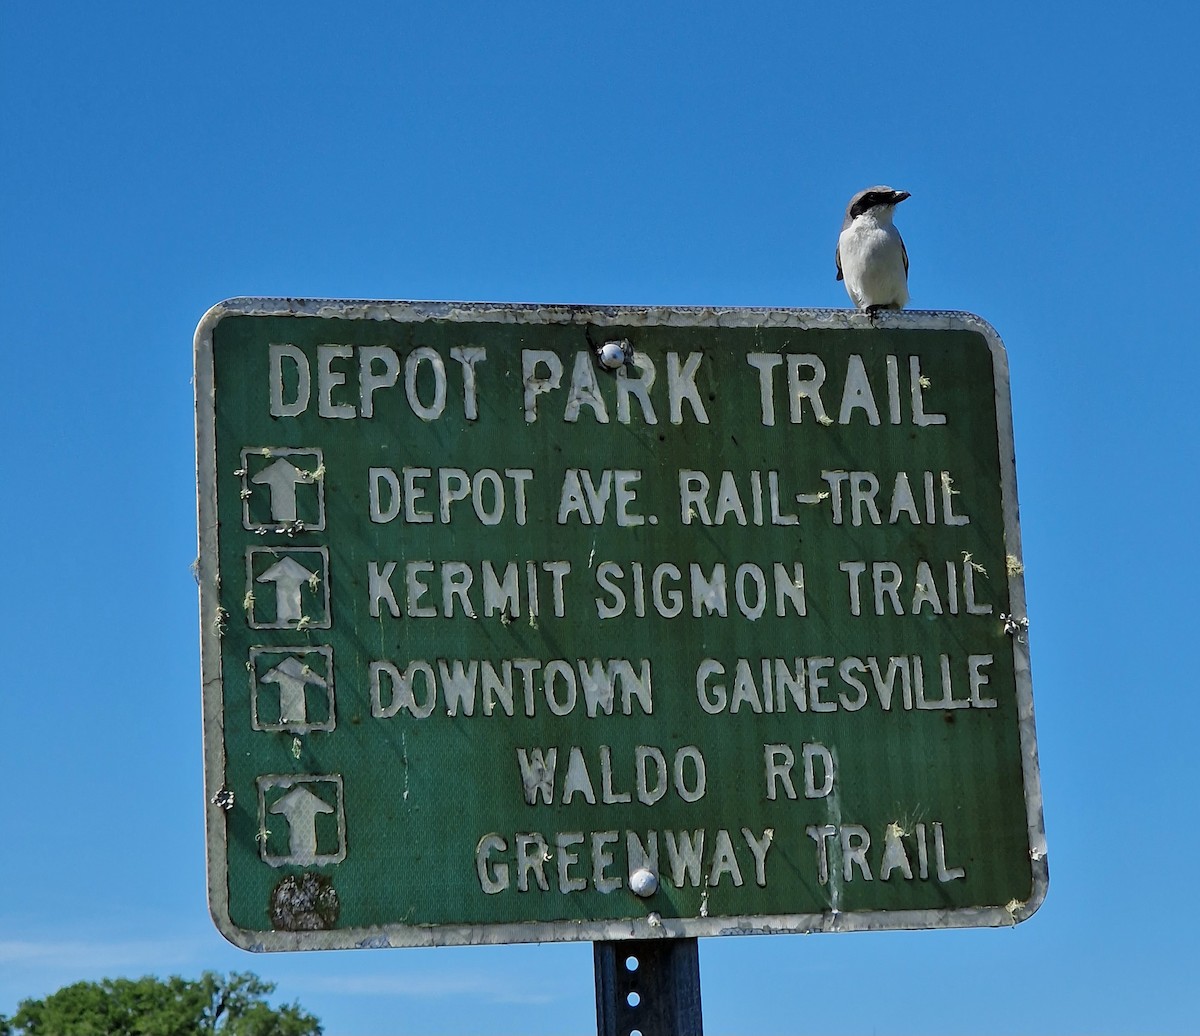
x,y
870,252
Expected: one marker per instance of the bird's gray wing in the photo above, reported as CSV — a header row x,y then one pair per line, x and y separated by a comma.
x,y
904,252
837,258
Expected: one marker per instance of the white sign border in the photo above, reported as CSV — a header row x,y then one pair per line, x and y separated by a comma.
x,y
213,619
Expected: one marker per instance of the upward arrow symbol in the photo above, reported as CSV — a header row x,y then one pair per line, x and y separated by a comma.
x,y
289,576
282,477
300,807
292,676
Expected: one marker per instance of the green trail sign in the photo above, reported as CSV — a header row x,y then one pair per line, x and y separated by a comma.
x,y
553,622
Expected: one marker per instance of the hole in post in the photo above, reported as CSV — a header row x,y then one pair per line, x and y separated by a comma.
x,y
631,963
633,999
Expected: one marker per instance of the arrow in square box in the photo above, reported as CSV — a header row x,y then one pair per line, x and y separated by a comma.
x,y
292,676
289,576
281,478
300,808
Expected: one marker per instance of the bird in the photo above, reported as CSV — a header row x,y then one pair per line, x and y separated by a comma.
x,y
870,256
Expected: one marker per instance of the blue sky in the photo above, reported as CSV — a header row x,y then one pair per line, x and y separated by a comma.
x,y
157,158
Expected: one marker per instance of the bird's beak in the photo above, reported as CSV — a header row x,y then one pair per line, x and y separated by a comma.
x,y
899,196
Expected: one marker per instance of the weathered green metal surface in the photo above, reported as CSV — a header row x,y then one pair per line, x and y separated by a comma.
x,y
487,627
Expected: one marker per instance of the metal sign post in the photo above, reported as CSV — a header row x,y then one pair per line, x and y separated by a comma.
x,y
529,623
648,986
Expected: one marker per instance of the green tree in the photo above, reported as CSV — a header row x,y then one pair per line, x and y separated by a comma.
x,y
213,1005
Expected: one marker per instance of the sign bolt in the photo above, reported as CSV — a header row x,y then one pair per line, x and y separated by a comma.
x,y
615,354
643,882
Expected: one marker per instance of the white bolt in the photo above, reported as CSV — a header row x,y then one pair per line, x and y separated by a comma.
x,y
643,882
615,354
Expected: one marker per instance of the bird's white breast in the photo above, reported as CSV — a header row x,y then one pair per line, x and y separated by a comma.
x,y
873,262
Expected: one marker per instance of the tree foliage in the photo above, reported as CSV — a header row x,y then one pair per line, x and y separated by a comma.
x,y
213,1005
